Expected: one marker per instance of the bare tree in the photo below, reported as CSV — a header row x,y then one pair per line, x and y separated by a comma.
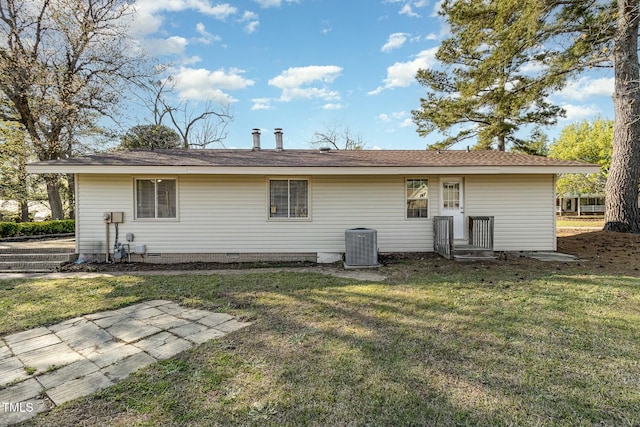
x,y
339,138
197,127
63,65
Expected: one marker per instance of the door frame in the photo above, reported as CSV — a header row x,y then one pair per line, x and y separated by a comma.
x,y
463,234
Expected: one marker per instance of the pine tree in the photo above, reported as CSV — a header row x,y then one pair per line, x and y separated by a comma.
x,y
485,88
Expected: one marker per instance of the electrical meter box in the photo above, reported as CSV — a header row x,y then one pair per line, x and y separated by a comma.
x,y
113,217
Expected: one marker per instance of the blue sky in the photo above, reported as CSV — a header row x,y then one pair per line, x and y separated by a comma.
x,y
303,65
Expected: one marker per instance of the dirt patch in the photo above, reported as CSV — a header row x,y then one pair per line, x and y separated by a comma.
x,y
599,251
605,251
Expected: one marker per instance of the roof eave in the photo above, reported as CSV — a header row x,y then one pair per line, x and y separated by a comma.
x,y
39,168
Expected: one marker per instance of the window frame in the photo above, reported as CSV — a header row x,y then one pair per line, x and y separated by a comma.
x,y
407,199
155,218
288,179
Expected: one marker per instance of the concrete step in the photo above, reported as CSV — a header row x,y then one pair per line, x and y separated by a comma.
x,y
466,252
60,257
34,262
36,250
466,258
29,266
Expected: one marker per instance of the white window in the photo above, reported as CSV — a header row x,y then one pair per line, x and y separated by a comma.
x,y
288,198
417,192
156,198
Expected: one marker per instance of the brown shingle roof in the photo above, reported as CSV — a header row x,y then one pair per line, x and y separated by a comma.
x,y
312,158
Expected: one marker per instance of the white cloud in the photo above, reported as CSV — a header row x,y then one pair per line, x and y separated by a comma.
x,y
326,27
251,20
533,67
437,8
205,36
383,118
402,74
398,118
408,10
261,104
273,3
408,5
395,41
203,84
219,11
292,82
406,123
586,87
148,18
331,106
577,112
174,45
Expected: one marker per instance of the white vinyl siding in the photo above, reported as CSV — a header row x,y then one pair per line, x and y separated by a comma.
x,y
523,208
226,214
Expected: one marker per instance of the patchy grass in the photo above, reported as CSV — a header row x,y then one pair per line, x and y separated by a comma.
x,y
580,222
440,344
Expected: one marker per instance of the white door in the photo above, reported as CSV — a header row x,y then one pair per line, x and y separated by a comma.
x,y
451,194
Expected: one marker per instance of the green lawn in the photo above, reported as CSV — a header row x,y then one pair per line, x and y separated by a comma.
x,y
578,223
441,344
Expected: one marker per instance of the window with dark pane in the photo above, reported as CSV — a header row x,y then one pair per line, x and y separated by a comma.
x,y
288,198
417,192
145,198
156,198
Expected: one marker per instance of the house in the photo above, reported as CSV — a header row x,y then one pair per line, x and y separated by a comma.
x,y
580,204
256,204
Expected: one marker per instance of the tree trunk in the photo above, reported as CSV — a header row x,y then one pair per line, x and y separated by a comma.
x,y
23,185
622,185
24,211
53,191
71,195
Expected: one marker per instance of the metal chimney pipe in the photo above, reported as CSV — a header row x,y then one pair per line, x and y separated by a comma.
x,y
256,139
278,134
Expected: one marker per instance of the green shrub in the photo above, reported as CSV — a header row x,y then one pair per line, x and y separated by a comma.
x,y
10,229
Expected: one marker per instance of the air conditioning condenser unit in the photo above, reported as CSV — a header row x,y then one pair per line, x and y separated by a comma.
x,y
361,247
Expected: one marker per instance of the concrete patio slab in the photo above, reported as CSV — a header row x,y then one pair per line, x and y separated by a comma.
x,y
132,330
113,355
231,325
188,329
22,336
12,369
126,367
69,373
215,319
79,387
83,335
165,321
54,356
44,367
146,313
20,402
204,336
4,351
163,345
33,343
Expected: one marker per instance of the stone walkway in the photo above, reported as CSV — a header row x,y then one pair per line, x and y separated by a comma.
x,y
47,366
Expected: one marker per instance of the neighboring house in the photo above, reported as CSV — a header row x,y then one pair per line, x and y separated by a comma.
x,y
580,204
252,205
